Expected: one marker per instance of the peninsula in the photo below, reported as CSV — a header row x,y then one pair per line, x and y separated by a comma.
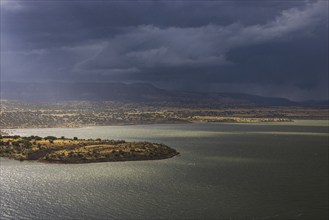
x,y
65,150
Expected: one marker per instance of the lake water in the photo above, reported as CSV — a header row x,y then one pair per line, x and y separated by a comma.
x,y
237,171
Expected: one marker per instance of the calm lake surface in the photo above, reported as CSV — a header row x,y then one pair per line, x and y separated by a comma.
x,y
240,171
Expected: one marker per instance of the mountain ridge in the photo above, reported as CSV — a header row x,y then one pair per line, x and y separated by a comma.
x,y
135,92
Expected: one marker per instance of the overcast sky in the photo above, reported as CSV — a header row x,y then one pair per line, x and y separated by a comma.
x,y
270,48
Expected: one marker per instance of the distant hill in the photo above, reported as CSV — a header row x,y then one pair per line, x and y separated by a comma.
x,y
137,92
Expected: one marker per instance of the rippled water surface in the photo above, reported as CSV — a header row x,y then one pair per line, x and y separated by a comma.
x,y
241,171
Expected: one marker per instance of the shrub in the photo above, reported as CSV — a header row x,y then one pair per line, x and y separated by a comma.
x,y
26,143
50,138
37,138
15,136
16,143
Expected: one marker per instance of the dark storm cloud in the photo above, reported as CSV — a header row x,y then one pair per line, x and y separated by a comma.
x,y
222,45
52,23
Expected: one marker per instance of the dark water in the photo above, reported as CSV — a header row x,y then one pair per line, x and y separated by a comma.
x,y
237,171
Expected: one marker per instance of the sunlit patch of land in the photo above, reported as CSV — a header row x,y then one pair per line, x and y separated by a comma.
x,y
64,150
237,119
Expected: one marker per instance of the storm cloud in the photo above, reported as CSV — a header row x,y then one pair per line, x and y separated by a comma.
x,y
264,48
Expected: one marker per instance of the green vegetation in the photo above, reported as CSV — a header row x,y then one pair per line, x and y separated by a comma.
x,y
64,150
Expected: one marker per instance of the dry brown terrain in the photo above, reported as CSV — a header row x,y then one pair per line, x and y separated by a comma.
x,y
16,114
63,150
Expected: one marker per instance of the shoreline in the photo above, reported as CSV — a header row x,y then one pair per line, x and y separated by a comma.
x,y
88,125
96,161
5,130
225,120
101,161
